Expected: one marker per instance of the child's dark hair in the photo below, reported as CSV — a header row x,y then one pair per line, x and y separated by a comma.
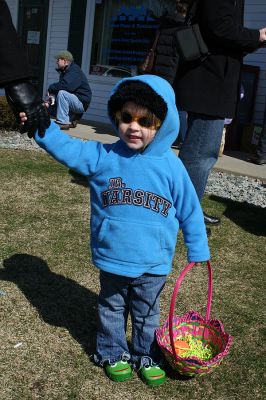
x,y
139,93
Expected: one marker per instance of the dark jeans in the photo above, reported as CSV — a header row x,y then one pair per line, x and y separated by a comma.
x,y
261,148
200,149
183,125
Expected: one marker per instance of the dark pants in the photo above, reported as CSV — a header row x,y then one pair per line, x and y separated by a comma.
x,y
261,148
200,149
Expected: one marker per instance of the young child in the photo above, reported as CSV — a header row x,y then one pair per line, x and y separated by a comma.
x,y
140,195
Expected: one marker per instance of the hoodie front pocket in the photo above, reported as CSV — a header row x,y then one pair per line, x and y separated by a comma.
x,y
131,242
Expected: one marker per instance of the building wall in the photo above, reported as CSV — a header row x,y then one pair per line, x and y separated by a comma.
x,y
101,89
100,86
255,18
57,37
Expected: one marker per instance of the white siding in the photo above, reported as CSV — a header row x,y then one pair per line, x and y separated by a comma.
x,y
57,37
255,18
101,88
13,7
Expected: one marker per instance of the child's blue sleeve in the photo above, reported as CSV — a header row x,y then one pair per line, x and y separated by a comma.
x,y
82,156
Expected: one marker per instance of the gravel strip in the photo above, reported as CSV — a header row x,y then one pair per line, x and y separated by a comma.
x,y
237,188
17,141
222,184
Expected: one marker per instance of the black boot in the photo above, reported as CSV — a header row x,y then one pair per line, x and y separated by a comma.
x,y
209,232
209,220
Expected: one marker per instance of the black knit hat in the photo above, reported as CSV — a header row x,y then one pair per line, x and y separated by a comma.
x,y
141,94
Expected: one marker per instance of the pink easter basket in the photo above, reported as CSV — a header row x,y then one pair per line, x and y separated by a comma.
x,y
208,331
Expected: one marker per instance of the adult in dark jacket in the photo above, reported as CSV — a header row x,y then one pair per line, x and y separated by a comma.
x,y
15,74
209,90
72,91
167,57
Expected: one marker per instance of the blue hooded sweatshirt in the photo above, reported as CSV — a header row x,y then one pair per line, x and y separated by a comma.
x,y
139,200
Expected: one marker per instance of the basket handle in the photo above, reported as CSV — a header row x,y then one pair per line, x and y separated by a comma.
x,y
174,295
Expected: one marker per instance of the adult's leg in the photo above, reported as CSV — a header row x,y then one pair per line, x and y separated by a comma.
x,y
67,103
200,149
182,130
261,149
145,315
183,125
111,344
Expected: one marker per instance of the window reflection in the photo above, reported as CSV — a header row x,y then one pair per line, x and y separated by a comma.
x,y
123,31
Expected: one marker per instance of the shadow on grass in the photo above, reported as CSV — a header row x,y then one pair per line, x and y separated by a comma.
x,y
60,301
174,375
78,178
249,217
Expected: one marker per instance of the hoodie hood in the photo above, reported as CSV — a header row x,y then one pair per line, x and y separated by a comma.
x,y
169,129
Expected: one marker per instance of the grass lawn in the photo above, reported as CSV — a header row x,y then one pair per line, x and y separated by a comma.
x,y
49,290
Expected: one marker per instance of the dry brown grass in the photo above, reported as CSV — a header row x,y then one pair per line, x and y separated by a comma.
x,y
50,293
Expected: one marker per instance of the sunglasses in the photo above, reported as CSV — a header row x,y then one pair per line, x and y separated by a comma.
x,y
144,122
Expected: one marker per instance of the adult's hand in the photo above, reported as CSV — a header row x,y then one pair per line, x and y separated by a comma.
x,y
23,97
262,36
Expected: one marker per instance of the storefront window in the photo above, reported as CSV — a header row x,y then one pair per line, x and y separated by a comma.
x,y
123,32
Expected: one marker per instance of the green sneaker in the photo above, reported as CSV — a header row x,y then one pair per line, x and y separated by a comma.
x,y
152,376
119,371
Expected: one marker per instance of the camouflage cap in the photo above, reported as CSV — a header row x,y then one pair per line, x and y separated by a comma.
x,y
64,55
